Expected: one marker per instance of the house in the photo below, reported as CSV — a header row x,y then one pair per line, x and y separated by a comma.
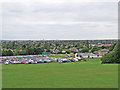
x,y
100,44
93,45
107,45
73,49
66,46
64,51
51,50
80,49
101,52
20,50
56,51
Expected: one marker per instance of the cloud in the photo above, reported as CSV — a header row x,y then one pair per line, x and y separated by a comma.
x,y
59,20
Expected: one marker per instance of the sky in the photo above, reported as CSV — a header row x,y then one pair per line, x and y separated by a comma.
x,y
59,20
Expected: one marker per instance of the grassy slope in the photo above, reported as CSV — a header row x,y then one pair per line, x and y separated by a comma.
x,y
90,74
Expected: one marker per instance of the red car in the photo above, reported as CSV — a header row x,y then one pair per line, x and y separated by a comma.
x,y
22,62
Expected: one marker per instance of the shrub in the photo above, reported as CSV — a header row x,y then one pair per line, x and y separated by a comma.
x,y
113,56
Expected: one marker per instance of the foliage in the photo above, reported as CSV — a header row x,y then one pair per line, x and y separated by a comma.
x,y
113,56
28,47
85,49
7,53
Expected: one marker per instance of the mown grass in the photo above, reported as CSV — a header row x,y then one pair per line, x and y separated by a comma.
x,y
89,74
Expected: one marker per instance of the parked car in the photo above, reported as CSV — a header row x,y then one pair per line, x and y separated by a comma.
x,y
40,61
61,60
22,61
47,60
6,62
30,61
15,62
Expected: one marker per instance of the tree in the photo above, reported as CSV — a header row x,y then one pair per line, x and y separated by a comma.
x,y
87,44
85,49
94,49
4,53
60,52
38,50
113,56
103,47
79,47
29,51
23,52
112,47
9,53
68,51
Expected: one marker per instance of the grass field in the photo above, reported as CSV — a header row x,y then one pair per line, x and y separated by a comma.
x,y
90,74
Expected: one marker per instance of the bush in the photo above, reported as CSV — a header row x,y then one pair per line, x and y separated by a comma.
x,y
113,56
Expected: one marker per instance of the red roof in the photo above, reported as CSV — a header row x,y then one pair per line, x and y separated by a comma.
x,y
107,44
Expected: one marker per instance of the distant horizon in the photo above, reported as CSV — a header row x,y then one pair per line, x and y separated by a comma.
x,y
52,39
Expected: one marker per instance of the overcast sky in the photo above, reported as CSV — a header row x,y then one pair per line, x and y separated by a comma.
x,y
59,19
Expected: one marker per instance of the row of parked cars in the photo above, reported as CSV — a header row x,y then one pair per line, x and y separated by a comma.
x,y
38,60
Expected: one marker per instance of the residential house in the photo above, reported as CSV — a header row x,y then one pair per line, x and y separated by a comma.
x,y
56,51
100,44
107,45
64,51
101,52
73,49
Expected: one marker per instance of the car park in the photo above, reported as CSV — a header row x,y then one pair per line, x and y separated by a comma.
x,y
38,59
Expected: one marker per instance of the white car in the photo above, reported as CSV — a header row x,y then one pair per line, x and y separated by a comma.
x,y
30,61
7,62
60,61
47,61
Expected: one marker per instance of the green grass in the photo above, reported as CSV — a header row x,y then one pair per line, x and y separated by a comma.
x,y
90,74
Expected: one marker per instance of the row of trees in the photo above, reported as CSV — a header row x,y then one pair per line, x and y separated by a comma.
x,y
26,51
